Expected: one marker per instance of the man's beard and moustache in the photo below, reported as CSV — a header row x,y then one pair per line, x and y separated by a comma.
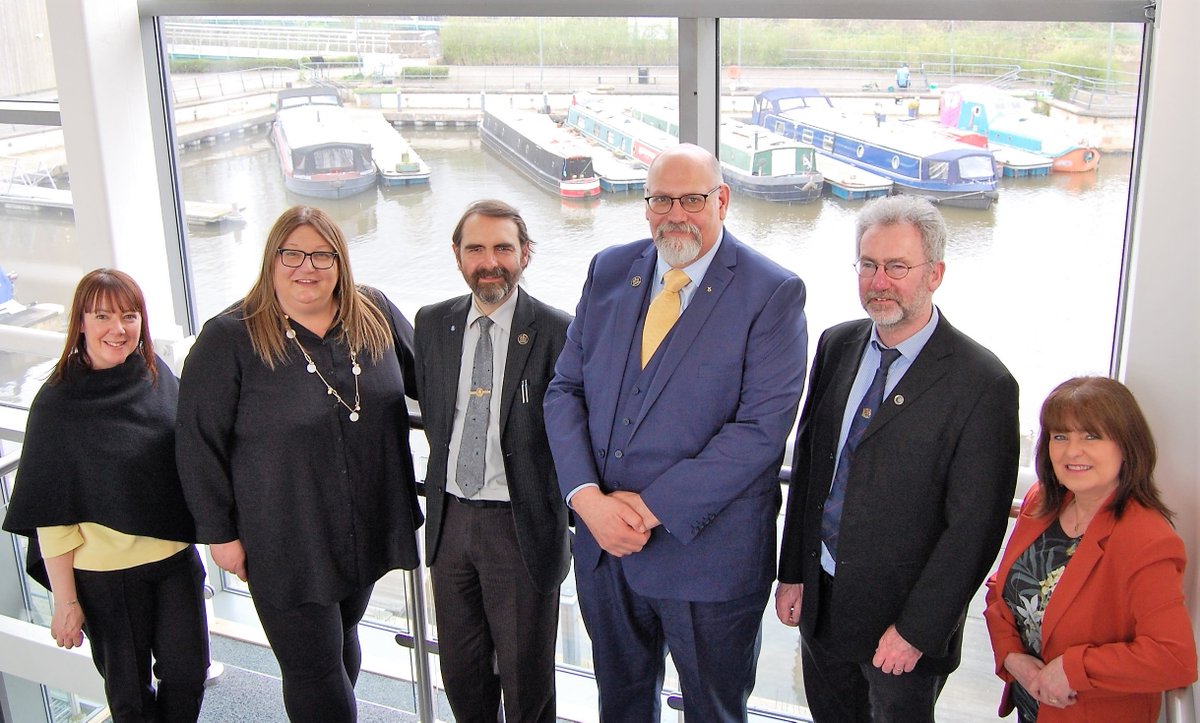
x,y
493,290
677,252
895,316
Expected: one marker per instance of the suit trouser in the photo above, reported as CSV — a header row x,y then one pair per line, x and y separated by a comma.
x,y
842,691
496,632
714,646
319,655
152,610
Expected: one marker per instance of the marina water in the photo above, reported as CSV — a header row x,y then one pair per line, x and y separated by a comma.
x,y
1035,278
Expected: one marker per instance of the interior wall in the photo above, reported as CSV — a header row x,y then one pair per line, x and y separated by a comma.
x,y
1161,358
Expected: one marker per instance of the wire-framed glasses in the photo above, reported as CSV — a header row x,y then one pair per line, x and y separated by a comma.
x,y
894,269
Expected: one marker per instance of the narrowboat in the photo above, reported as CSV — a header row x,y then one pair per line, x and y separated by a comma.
x,y
395,159
322,153
541,150
1010,122
916,160
754,161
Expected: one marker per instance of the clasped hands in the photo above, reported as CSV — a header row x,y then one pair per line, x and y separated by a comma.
x,y
1045,681
893,655
620,521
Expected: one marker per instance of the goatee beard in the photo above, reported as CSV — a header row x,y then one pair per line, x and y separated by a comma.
x,y
680,253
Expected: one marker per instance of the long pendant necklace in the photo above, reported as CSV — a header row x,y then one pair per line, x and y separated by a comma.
x,y
312,369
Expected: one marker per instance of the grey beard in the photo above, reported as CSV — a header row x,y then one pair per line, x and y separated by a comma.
x,y
677,256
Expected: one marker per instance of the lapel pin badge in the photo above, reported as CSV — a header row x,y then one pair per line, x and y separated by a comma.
x,y
708,289
635,281
898,399
453,327
522,338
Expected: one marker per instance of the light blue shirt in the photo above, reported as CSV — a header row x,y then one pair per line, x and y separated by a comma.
x,y
909,349
695,272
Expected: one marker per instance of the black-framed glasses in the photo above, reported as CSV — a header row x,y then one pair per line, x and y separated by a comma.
x,y
692,202
894,269
294,259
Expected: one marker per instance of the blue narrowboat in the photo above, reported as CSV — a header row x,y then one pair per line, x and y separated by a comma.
x,y
917,161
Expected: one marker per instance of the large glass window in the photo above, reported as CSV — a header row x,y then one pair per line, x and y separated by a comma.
x,y
1034,276
415,91
39,259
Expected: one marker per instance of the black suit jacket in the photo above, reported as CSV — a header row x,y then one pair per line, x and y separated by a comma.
x,y
927,501
537,337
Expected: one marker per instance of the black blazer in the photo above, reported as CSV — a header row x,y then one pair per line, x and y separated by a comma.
x,y
537,337
927,501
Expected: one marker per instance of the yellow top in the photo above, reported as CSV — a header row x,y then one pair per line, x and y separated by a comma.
x,y
102,549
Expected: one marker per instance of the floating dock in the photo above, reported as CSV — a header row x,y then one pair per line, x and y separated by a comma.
x,y
850,182
199,213
1016,163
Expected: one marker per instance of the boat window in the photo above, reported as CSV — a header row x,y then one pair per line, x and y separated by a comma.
x,y
939,170
975,167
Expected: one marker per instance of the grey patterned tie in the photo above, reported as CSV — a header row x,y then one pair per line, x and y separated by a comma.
x,y
472,448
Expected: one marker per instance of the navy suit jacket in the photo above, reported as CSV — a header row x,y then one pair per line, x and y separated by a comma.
x,y
706,442
927,500
539,514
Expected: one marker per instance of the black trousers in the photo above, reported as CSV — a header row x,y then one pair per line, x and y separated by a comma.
x,y
152,611
496,632
843,691
319,656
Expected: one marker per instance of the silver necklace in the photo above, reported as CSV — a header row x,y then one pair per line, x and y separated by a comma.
x,y
312,369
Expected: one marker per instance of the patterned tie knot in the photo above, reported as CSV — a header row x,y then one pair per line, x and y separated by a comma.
x,y
674,280
485,324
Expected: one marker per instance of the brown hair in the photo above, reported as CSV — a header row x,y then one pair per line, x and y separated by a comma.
x,y
492,208
364,326
1107,408
103,288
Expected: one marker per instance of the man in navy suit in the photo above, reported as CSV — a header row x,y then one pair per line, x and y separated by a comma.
x,y
669,451
878,572
496,532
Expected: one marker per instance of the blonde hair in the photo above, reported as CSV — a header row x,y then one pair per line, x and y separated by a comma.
x,y
364,327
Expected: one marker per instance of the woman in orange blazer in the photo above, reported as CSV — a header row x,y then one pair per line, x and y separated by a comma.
x,y
1086,611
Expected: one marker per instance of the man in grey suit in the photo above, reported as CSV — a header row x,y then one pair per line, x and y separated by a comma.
x,y
496,526
898,502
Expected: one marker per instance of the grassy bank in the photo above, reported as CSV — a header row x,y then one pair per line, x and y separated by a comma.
x,y
811,43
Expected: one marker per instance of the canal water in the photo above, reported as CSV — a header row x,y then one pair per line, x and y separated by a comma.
x,y
1035,278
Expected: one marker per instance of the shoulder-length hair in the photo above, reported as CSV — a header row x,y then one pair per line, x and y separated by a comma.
x,y
1107,408
363,324
103,289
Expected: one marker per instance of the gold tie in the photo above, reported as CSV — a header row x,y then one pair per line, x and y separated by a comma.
x,y
663,312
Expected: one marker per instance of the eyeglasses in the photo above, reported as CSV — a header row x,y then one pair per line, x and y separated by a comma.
x,y
894,269
294,259
692,202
